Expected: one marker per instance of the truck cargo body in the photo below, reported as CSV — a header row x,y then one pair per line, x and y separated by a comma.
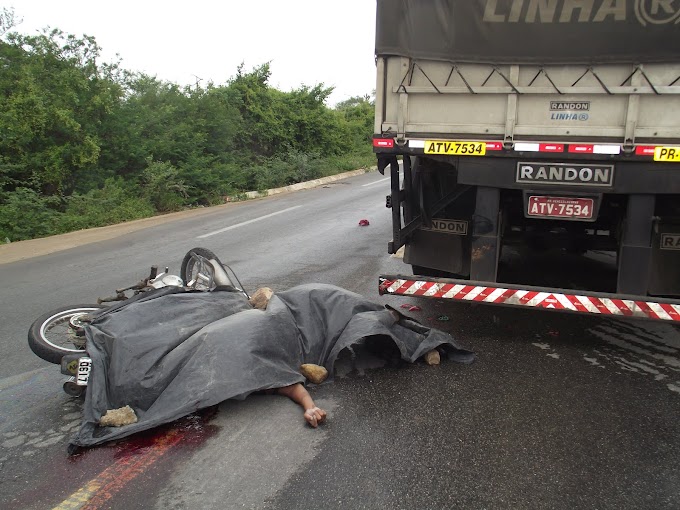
x,y
532,126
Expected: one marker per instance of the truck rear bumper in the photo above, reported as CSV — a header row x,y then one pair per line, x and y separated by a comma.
x,y
593,303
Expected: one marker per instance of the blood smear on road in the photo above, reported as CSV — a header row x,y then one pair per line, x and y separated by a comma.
x,y
109,482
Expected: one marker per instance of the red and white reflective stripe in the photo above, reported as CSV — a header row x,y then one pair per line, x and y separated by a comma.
x,y
538,147
572,148
594,149
644,150
534,299
383,142
581,149
557,148
551,147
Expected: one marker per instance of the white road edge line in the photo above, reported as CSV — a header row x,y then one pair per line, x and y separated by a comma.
x,y
248,222
376,182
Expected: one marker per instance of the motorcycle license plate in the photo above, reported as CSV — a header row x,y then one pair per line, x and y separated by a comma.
x,y
560,207
83,374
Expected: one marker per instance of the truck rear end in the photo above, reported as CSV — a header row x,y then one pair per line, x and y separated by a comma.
x,y
529,126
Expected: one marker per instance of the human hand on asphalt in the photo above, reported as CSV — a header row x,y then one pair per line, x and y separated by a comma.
x,y
314,416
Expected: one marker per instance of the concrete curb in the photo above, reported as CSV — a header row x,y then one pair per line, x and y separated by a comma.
x,y
21,250
306,185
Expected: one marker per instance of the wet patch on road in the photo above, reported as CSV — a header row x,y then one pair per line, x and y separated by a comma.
x,y
649,350
546,347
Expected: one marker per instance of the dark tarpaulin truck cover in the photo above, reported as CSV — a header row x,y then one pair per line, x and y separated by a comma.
x,y
530,31
173,352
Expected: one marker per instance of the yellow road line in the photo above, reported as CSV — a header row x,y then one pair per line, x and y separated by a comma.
x,y
114,478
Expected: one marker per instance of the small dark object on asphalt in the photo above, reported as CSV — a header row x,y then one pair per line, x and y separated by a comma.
x,y
364,223
443,318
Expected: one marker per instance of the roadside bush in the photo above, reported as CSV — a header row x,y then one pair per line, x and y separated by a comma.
x,y
302,166
162,186
25,214
85,143
113,203
348,162
210,181
269,174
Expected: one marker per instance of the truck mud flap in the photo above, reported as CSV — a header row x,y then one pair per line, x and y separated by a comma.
x,y
664,279
409,198
593,303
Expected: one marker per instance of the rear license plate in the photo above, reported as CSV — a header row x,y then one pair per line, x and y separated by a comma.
x,y
667,154
455,148
83,375
560,207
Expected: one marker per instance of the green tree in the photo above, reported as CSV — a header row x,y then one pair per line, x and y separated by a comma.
x,y
114,202
261,132
359,112
25,214
8,20
53,99
85,143
312,126
163,187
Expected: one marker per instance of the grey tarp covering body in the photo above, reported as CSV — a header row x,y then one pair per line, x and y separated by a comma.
x,y
173,352
530,31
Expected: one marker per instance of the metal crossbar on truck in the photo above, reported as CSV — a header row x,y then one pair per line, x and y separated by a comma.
x,y
531,126
533,297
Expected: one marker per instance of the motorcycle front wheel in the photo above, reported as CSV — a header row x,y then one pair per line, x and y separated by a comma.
x,y
195,272
59,332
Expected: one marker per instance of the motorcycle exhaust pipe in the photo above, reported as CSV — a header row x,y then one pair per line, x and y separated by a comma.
x,y
73,389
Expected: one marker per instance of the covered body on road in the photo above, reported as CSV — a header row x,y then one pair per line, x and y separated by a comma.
x,y
174,352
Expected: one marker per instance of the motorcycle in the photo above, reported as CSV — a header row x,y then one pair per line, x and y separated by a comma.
x,y
59,335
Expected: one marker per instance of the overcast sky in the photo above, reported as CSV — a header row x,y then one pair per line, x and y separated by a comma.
x,y
307,41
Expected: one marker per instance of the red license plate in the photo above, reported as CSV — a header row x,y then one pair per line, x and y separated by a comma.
x,y
560,207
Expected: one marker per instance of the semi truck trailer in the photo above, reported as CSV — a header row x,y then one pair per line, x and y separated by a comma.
x,y
529,127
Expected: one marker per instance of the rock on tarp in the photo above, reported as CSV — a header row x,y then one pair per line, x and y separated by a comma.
x,y
172,352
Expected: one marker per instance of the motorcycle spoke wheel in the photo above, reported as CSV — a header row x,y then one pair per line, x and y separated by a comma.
x,y
196,271
59,332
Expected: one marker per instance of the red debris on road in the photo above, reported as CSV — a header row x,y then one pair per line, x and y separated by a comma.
x,y
364,223
411,308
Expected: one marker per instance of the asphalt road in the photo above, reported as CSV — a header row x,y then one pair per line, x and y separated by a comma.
x,y
558,411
